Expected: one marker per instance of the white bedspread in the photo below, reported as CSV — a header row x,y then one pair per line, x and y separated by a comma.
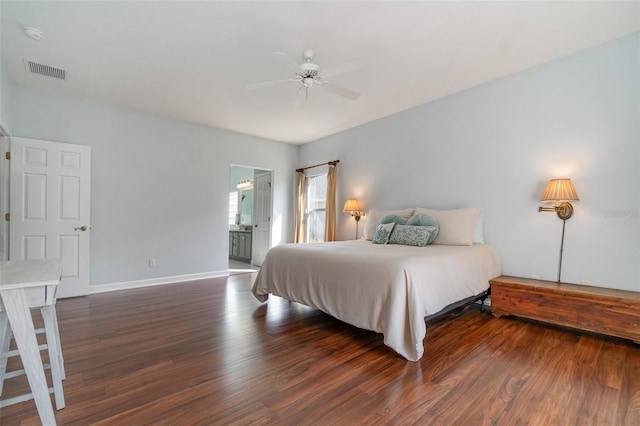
x,y
389,289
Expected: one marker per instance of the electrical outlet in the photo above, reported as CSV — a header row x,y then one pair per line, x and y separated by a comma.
x,y
152,263
585,282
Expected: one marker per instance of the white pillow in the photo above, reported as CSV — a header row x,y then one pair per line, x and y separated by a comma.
x,y
456,226
373,219
478,230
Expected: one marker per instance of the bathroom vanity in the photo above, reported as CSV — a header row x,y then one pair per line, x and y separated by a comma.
x,y
240,245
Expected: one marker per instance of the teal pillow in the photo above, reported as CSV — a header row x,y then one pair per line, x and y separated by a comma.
x,y
383,232
393,218
422,219
410,235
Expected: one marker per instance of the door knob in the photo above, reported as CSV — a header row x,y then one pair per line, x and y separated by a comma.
x,y
82,228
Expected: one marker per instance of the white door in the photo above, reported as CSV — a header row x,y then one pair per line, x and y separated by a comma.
x,y
262,218
49,202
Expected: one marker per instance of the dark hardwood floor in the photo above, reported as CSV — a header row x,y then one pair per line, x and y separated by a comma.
x,y
207,352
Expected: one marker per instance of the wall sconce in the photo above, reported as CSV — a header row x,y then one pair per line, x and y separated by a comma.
x,y
560,192
351,206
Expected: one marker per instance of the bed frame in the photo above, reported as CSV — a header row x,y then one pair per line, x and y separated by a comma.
x,y
461,304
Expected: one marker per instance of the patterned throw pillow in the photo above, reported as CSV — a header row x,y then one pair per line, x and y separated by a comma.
x,y
383,232
410,235
425,220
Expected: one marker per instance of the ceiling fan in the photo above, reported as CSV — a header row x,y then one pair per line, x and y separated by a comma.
x,y
308,73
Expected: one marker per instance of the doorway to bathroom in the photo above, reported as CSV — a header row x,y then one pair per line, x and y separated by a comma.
x,y
249,217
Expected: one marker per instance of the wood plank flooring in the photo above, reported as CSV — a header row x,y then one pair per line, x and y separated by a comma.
x,y
206,352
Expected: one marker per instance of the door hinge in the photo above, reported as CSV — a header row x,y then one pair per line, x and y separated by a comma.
x,y
7,155
7,217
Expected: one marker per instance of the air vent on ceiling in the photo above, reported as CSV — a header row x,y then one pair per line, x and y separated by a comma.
x,y
46,70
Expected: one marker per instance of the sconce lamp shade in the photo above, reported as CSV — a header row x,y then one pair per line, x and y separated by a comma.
x,y
559,190
351,206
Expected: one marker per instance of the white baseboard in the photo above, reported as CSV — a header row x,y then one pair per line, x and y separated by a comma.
x,y
103,288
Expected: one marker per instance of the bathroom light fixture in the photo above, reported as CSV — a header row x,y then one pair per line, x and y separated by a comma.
x,y
245,184
560,192
351,206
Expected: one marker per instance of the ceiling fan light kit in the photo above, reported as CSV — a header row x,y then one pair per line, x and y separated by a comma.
x,y
309,73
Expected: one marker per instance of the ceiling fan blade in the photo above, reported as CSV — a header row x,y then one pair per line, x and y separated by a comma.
x,y
286,60
346,93
268,84
301,99
342,68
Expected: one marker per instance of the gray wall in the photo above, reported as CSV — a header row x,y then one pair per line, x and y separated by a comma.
x,y
3,85
160,187
5,96
495,147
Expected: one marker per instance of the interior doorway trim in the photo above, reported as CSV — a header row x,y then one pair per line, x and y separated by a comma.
x,y
245,228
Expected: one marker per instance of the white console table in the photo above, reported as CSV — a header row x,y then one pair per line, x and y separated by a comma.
x,y
26,284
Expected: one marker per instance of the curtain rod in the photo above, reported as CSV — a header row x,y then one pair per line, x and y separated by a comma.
x,y
331,163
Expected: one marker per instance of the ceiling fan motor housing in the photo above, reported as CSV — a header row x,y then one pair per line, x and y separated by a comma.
x,y
309,66
310,69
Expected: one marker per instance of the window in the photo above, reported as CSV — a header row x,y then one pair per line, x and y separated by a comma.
x,y
233,207
316,207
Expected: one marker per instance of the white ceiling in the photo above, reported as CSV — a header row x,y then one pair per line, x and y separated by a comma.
x,y
192,60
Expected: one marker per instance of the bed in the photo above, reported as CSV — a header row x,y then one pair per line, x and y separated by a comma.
x,y
386,288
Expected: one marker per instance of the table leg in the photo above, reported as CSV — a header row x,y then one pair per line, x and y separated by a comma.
x,y
5,339
19,315
53,346
63,373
